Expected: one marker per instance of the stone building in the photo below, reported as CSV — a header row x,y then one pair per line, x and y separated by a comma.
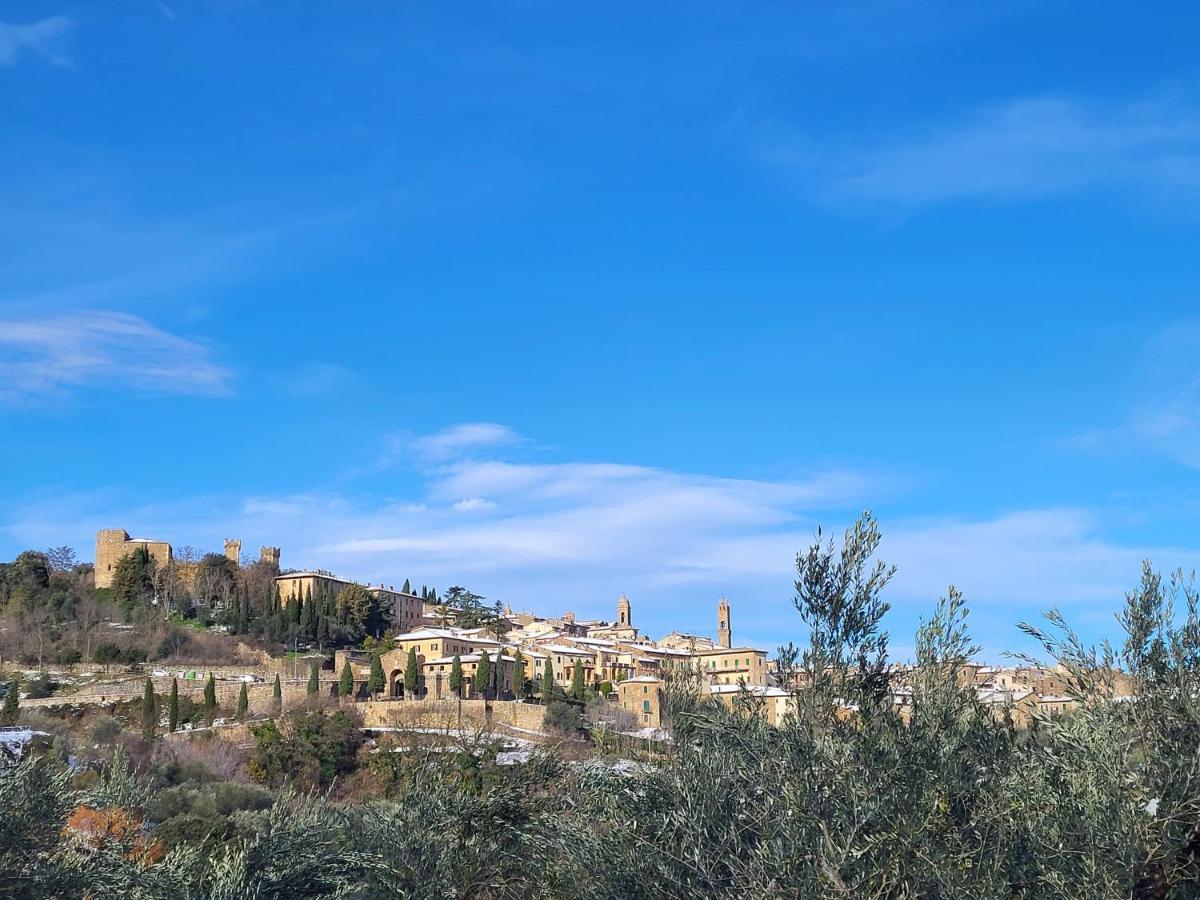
x,y
642,697
733,665
406,609
114,543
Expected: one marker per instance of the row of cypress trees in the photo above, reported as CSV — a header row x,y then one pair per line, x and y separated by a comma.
x,y
150,708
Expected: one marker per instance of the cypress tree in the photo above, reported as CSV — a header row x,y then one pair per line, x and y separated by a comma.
x,y
483,674
210,699
548,681
173,708
346,685
412,675
12,704
243,703
578,689
322,631
456,676
149,712
294,608
277,695
308,628
314,680
375,681
407,588
518,678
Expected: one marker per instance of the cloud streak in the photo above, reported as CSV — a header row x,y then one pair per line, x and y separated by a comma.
x,y
43,359
573,535
1018,150
45,38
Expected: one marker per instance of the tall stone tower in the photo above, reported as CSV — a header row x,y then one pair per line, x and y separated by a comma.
x,y
624,612
110,547
233,550
269,555
724,630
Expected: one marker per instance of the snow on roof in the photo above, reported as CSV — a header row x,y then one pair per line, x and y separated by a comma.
x,y
1055,698
1001,695
599,642
565,651
642,679
665,651
758,690
425,634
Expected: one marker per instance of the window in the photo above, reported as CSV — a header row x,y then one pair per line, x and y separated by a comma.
x,y
646,706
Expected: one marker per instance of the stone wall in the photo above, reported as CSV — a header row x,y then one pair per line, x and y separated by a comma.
x,y
258,695
452,714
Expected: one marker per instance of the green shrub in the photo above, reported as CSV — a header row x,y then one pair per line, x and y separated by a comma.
x,y
563,717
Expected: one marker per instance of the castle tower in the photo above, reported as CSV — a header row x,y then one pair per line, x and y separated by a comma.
x,y
233,550
110,547
269,555
724,631
624,612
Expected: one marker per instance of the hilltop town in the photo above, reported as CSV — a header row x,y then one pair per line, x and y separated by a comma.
x,y
435,648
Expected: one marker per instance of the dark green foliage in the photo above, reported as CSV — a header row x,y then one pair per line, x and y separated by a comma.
x,y
11,710
308,749
210,700
518,675
243,703
412,674
483,675
548,687
375,681
346,684
149,712
173,708
175,643
456,676
39,687
466,610
563,717
133,577
578,688
314,680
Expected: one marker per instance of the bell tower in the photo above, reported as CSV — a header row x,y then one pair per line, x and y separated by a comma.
x,y
233,550
724,631
624,612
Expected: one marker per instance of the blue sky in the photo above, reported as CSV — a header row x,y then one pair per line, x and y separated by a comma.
x,y
558,301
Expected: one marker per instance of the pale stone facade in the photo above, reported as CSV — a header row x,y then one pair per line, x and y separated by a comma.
x,y
114,543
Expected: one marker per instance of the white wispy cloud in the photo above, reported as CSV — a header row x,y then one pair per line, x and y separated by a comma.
x,y
450,443
1020,149
45,358
1162,414
46,38
556,536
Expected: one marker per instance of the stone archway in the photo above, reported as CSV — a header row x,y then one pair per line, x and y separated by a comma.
x,y
396,685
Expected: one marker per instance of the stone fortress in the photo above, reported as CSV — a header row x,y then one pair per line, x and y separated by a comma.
x,y
114,543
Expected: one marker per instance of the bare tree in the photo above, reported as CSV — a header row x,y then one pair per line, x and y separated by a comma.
x,y
87,617
61,559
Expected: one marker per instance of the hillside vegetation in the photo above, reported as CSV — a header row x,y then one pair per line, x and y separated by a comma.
x,y
958,803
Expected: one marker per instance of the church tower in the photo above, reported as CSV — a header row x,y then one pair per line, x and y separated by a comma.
x,y
624,612
724,631
233,550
